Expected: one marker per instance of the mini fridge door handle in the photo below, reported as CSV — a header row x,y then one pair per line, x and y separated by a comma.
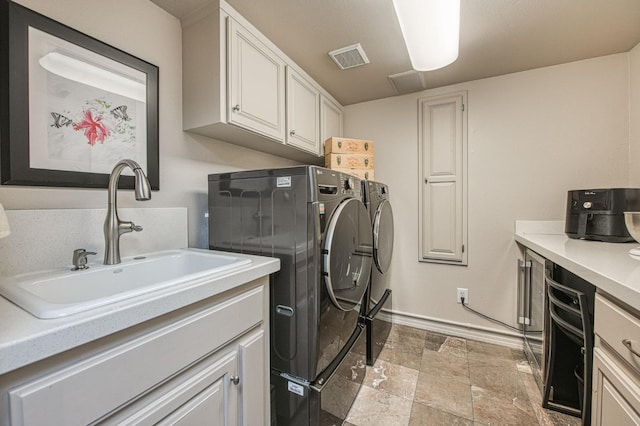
x,y
524,290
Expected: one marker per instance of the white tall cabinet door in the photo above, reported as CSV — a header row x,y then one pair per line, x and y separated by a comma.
x,y
330,120
256,84
442,147
303,116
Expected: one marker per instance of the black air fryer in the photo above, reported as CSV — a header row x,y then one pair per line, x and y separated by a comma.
x,y
598,214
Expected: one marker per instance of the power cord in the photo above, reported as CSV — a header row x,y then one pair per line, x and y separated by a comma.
x,y
464,305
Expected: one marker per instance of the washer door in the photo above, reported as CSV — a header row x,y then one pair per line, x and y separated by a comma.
x,y
347,255
383,236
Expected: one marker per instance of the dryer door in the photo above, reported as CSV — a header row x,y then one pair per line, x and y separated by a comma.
x,y
348,253
383,236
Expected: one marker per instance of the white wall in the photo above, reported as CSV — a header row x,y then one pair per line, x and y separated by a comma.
x,y
532,136
634,117
144,30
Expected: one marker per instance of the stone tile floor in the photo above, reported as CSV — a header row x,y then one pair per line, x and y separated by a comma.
x,y
425,378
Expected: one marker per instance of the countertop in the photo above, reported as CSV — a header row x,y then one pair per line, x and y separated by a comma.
x,y
608,266
25,339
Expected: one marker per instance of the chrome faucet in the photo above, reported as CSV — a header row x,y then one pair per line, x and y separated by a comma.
x,y
113,226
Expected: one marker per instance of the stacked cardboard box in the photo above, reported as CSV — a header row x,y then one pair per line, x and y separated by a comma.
x,y
353,156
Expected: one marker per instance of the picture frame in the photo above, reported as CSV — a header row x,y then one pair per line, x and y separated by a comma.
x,y
71,106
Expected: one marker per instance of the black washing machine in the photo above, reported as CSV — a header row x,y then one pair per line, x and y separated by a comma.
x,y
314,221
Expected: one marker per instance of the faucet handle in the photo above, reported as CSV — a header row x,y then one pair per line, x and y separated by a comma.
x,y
80,259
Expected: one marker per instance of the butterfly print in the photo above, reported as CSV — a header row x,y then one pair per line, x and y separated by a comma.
x,y
60,120
121,113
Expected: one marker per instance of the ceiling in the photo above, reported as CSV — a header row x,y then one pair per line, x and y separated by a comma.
x,y
496,37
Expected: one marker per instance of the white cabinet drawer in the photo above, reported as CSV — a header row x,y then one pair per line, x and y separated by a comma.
x,y
88,390
619,329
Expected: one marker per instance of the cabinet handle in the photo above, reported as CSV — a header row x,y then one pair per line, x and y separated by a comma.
x,y
236,108
235,379
292,133
627,343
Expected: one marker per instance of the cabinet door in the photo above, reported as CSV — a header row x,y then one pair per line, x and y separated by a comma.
x,y
616,395
330,120
215,405
256,84
442,145
203,395
303,117
254,377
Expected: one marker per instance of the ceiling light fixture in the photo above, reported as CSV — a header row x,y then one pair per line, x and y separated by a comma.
x,y
92,75
431,31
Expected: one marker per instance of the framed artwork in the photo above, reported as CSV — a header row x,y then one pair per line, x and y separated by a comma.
x,y
71,106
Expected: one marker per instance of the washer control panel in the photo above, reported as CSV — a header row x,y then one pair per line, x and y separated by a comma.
x,y
350,185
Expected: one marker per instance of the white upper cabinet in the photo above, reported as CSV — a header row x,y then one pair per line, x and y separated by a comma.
x,y
240,88
256,84
330,120
303,116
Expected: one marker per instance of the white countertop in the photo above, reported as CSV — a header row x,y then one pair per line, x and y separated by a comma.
x,y
25,339
607,266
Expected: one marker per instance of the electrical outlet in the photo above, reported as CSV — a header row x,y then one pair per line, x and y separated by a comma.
x,y
463,292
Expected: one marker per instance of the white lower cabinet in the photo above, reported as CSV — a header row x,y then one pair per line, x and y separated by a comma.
x,y
616,396
616,365
206,364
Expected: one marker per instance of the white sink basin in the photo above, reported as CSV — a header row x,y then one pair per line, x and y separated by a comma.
x,y
58,293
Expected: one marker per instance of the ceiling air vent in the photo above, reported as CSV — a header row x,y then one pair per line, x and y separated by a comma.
x,y
407,82
349,57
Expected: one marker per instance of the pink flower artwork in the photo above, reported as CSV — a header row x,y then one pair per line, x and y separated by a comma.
x,y
94,130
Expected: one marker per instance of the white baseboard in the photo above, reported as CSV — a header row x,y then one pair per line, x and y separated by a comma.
x,y
509,339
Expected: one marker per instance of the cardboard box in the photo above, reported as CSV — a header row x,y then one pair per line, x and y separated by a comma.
x,y
335,145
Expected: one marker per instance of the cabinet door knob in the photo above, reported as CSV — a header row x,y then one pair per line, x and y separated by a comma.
x,y
627,344
236,108
235,380
292,133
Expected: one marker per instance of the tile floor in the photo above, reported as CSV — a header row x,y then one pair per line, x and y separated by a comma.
x,y
424,378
